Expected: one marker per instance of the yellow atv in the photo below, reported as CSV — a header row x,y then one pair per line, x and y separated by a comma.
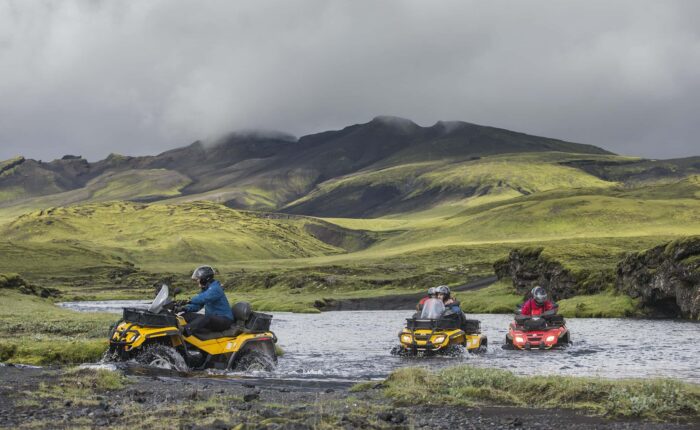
x,y
154,337
426,337
445,335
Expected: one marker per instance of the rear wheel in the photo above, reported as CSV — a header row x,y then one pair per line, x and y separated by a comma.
x,y
255,361
483,346
162,357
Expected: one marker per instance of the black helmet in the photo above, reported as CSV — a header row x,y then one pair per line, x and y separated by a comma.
x,y
443,289
539,294
203,274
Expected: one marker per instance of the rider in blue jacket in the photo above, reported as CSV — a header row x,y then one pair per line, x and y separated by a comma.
x,y
444,294
217,311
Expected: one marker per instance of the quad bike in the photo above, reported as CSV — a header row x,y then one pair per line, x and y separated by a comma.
x,y
448,334
428,337
154,337
545,331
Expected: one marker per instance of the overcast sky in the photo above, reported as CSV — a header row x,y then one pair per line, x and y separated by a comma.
x,y
140,77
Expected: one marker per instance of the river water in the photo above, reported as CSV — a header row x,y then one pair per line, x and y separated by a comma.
x,y
355,345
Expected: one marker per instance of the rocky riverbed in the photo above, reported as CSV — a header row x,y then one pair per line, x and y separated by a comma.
x,y
89,398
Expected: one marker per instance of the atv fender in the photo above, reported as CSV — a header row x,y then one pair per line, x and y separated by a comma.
x,y
264,345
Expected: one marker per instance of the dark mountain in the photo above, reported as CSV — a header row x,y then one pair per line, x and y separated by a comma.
x,y
265,170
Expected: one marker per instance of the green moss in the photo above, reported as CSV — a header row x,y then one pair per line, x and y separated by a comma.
x,y
605,305
659,399
51,350
57,336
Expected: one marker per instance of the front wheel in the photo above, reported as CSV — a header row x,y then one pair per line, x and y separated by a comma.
x,y
565,340
453,350
162,357
508,344
399,351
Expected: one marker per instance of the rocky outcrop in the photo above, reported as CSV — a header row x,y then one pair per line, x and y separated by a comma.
x,y
16,282
666,278
528,267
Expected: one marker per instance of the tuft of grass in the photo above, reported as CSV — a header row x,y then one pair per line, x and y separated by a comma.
x,y
363,386
97,379
656,399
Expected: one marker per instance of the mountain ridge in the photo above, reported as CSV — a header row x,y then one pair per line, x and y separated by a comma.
x,y
273,170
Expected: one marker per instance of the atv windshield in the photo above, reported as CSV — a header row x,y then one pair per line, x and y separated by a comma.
x,y
160,299
432,309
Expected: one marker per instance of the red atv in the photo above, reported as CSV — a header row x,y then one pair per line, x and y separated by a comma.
x,y
545,331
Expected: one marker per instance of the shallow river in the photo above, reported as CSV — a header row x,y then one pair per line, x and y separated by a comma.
x,y
355,345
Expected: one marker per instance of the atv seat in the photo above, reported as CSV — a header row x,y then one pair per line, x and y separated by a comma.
x,y
250,321
245,321
205,334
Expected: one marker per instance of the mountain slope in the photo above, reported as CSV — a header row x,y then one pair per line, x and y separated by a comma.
x,y
271,170
420,186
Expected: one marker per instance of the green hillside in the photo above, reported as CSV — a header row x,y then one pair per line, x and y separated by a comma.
x,y
420,186
186,233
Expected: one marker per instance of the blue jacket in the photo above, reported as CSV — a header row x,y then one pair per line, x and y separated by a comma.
x,y
214,301
454,307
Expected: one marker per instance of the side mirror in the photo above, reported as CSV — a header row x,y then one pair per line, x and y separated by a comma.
x,y
177,291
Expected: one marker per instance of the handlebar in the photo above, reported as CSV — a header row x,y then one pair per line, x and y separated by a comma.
x,y
177,306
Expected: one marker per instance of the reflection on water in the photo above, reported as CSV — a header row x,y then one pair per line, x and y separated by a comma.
x,y
355,345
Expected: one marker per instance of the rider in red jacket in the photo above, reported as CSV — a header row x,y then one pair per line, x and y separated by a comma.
x,y
431,294
538,304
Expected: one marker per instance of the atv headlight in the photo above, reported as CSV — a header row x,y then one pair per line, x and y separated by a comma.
x,y
439,339
406,338
550,338
519,339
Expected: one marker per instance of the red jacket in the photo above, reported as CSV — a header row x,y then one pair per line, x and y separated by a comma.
x,y
423,300
531,307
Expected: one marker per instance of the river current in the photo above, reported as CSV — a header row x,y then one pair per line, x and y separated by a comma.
x,y
355,345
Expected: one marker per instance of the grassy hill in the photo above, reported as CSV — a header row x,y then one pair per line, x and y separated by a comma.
x,y
186,233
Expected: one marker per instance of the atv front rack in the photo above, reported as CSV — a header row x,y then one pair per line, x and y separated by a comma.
x,y
145,318
438,324
542,323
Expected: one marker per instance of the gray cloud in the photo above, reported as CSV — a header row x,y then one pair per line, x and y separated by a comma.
x,y
92,77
